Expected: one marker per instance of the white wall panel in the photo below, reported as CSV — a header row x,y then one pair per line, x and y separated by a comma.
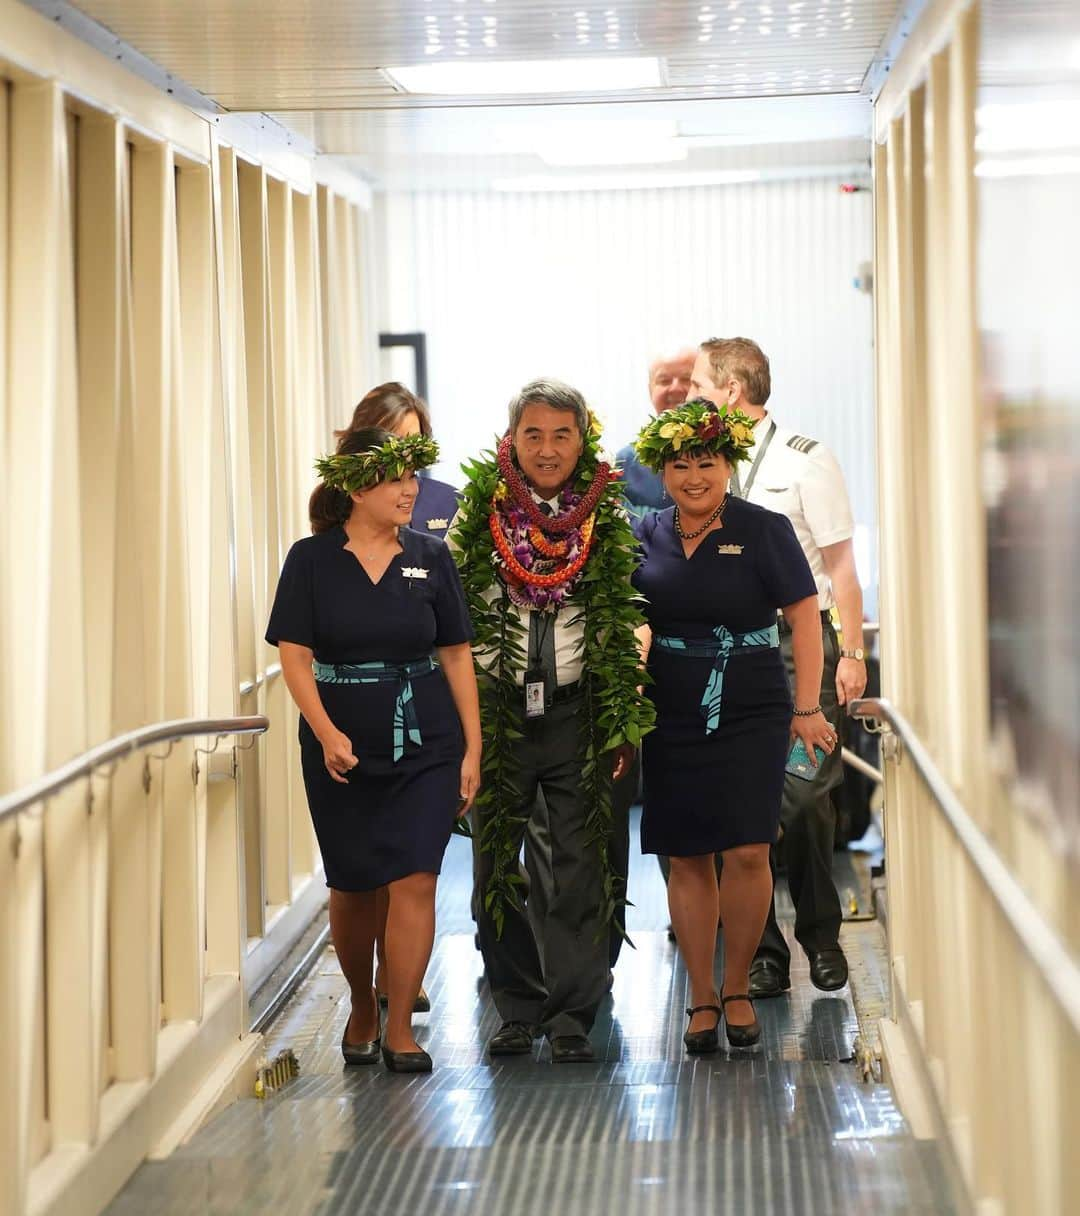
x,y
587,285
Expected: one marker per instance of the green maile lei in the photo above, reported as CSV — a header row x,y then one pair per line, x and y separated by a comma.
x,y
355,471
613,711
693,428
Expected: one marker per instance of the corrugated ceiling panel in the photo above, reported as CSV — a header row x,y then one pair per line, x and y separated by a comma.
x,y
309,54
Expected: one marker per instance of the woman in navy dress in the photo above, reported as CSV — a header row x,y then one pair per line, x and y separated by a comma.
x,y
715,570
393,408
374,637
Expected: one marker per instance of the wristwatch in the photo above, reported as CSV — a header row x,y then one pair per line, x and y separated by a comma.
x,y
858,654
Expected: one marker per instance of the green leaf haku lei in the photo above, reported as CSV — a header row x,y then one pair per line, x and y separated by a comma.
x,y
353,471
613,711
693,428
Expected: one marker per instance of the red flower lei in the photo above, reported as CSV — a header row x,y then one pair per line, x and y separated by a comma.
x,y
519,492
517,571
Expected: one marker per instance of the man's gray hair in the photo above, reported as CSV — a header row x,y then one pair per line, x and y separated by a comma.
x,y
554,393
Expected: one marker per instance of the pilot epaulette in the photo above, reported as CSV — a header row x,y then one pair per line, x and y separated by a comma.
x,y
801,444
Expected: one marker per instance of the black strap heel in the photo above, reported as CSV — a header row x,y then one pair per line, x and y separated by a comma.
x,y
741,1036
702,1042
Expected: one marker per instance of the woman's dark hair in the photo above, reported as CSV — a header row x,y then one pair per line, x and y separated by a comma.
x,y
386,406
329,507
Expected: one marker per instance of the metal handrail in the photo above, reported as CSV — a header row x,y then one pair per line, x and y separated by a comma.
x,y
860,765
1043,945
123,746
264,677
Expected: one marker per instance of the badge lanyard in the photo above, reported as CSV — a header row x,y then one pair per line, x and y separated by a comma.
x,y
743,491
537,678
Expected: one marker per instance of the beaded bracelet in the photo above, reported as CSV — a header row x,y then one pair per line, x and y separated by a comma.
x,y
806,713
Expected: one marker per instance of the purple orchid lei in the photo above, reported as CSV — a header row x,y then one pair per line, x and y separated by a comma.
x,y
516,524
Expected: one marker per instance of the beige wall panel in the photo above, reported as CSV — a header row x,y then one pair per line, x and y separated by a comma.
x,y
12,1097
199,420
47,667
886,362
7,585
24,1101
350,324
280,518
101,232
35,46
251,183
965,640
329,305
199,358
896,674
102,236
235,372
41,438
182,968
309,440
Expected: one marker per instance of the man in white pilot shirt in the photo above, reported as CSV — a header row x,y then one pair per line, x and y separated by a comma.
x,y
800,478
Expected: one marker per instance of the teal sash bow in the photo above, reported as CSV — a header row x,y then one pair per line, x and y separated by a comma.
x,y
406,723
719,648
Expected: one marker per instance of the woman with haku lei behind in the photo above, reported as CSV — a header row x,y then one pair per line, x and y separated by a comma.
x,y
546,554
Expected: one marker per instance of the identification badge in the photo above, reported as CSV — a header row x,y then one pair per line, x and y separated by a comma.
x,y
535,692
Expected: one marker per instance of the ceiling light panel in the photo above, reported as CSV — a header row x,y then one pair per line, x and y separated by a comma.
x,y
327,54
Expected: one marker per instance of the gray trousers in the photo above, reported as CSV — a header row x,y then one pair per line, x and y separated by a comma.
x,y
809,821
538,857
558,981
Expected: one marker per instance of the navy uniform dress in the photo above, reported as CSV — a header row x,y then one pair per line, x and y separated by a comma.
x,y
435,506
706,792
393,817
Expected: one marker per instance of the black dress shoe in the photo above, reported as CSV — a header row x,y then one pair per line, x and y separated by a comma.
x,y
511,1039
422,1004
828,969
703,1042
406,1061
360,1053
571,1049
741,1036
767,978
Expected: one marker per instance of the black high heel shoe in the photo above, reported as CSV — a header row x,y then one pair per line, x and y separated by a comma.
x,y
701,1042
406,1061
741,1036
362,1053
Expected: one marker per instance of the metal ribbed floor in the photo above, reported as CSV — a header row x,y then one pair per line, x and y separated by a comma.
x,y
789,1127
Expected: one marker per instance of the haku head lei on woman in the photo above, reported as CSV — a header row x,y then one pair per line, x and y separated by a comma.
x,y
400,454
541,557
693,429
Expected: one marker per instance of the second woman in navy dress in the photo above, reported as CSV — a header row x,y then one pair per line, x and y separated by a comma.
x,y
715,571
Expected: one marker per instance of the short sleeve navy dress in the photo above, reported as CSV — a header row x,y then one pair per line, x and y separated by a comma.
x,y
393,817
706,792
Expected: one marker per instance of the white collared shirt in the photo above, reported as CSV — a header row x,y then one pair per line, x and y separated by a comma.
x,y
569,635
800,478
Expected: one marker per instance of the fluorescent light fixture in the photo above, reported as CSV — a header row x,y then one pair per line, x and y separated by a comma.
x,y
528,76
644,180
546,184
